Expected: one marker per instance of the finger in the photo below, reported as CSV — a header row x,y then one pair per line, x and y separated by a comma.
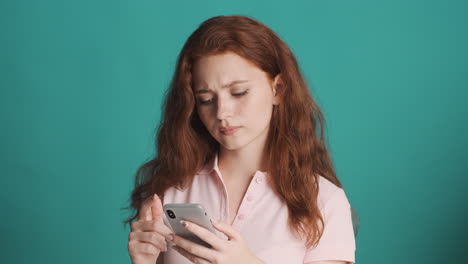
x,y
145,210
157,209
204,234
136,247
153,238
189,256
151,226
230,232
194,248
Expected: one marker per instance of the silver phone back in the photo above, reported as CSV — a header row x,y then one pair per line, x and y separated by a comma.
x,y
194,213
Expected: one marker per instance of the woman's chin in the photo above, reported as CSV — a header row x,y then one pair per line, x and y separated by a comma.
x,y
231,145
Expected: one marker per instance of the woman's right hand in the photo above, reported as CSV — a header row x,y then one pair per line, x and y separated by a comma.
x,y
147,237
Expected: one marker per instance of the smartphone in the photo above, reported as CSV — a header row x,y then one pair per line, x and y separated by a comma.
x,y
191,212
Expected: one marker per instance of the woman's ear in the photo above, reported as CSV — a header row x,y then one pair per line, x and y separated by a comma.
x,y
277,89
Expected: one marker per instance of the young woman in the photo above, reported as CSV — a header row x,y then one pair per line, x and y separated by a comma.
x,y
242,136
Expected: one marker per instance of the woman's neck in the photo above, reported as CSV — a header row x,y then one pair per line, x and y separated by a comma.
x,y
240,165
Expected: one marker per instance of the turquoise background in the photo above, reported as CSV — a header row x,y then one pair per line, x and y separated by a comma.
x,y
81,92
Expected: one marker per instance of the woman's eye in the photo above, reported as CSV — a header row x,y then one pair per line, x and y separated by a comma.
x,y
206,101
211,100
241,94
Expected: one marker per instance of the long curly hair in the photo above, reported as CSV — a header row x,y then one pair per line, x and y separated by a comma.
x,y
296,153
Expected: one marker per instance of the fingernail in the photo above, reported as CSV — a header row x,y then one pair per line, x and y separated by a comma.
x,y
183,223
154,196
169,237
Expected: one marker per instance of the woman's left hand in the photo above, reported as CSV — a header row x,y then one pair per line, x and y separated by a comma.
x,y
234,250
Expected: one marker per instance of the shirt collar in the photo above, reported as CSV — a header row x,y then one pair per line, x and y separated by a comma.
x,y
212,165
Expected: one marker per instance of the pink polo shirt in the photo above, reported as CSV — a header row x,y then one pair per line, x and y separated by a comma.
x,y
262,219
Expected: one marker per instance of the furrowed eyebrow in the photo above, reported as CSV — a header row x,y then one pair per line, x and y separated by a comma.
x,y
224,86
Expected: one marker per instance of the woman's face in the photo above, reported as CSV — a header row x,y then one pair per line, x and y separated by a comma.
x,y
232,92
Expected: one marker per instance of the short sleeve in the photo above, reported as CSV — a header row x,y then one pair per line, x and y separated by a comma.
x,y
337,241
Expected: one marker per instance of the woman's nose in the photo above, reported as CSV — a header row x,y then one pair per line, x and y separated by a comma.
x,y
223,108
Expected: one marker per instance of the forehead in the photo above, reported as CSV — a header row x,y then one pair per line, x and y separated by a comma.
x,y
220,69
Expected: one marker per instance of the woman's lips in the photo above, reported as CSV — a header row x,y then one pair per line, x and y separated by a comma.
x,y
230,131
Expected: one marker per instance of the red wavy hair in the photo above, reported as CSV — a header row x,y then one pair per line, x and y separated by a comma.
x,y
295,147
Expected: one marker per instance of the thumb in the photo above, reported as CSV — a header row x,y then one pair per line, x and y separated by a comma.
x,y
145,210
157,209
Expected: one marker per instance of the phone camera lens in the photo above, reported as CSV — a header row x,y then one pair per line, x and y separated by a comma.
x,y
171,214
